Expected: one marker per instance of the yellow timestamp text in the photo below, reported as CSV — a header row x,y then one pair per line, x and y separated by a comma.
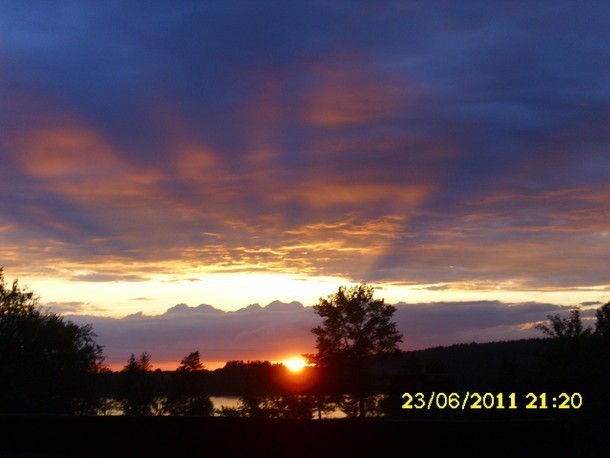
x,y
479,401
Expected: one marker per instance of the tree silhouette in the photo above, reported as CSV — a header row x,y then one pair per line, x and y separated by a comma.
x,y
47,364
571,362
602,334
142,364
186,393
565,328
355,328
602,325
137,386
285,406
191,363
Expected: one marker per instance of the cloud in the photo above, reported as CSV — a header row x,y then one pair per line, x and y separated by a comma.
x,y
97,277
436,287
179,280
66,307
253,332
280,329
445,323
351,93
461,146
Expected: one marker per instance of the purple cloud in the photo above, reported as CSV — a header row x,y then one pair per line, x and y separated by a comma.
x,y
460,144
279,330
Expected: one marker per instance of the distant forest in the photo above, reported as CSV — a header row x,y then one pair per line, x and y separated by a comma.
x,y
51,366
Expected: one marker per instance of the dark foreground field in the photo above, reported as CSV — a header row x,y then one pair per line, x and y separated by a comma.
x,y
34,436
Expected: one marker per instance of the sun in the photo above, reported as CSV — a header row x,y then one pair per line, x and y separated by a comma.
x,y
295,364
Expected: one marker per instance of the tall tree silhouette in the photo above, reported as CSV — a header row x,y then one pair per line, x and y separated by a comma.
x,y
186,392
47,364
137,386
355,328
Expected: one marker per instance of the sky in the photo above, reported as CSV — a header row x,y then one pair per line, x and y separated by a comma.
x,y
236,152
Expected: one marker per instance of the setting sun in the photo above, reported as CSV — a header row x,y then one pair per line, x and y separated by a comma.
x,y
295,364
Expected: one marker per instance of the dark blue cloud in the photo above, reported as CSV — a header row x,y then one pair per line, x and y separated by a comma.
x,y
257,121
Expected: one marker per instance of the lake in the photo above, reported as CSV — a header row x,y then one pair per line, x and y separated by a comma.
x,y
114,408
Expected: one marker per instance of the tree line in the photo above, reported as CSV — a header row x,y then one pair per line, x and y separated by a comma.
x,y
51,365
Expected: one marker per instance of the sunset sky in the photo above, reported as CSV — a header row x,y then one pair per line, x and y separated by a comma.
x,y
456,155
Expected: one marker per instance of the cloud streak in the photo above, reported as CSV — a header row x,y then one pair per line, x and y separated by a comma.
x,y
463,146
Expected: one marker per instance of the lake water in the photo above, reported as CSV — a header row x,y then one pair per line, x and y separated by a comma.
x,y
233,402
225,401
218,402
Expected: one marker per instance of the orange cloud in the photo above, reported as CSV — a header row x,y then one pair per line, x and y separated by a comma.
x,y
65,152
322,195
196,163
79,163
349,95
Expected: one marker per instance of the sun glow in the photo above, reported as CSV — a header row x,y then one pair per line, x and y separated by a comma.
x,y
295,364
